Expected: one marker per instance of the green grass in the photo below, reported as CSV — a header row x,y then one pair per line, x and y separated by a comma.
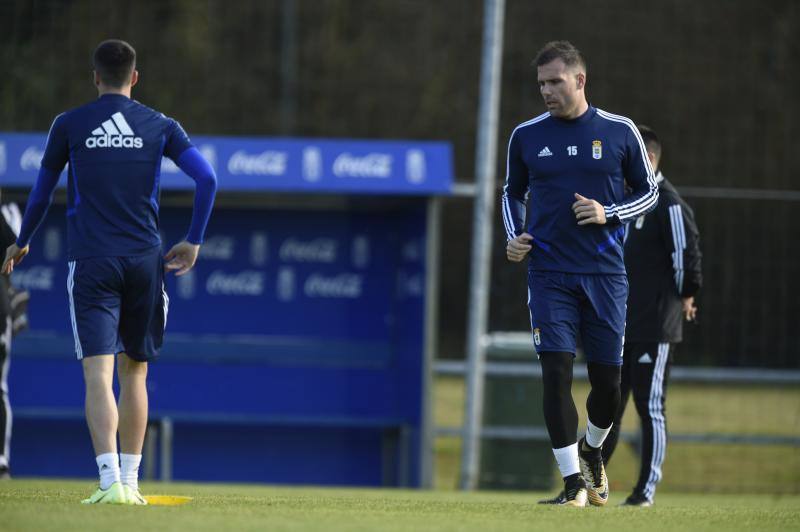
x,y
688,467
54,505
690,497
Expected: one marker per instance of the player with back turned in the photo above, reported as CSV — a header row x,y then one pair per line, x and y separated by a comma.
x,y
118,305
567,174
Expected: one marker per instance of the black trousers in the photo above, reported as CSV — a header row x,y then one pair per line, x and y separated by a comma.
x,y
645,371
5,407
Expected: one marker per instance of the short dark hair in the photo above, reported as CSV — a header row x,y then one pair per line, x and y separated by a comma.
x,y
114,61
651,140
563,50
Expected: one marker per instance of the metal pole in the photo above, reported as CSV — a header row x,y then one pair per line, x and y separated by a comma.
x,y
485,166
432,261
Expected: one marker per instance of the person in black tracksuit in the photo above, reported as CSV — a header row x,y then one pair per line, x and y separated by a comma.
x,y
9,225
662,259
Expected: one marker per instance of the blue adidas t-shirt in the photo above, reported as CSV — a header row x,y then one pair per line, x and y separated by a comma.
x,y
596,155
114,147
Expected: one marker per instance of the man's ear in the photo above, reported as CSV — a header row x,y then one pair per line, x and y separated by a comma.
x,y
96,78
580,80
134,77
653,160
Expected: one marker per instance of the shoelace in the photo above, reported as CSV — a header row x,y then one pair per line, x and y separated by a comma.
x,y
596,466
597,473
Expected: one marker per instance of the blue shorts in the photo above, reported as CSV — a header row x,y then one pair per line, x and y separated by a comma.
x,y
118,304
564,305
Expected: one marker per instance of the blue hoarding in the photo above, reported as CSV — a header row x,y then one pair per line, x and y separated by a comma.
x,y
293,350
277,164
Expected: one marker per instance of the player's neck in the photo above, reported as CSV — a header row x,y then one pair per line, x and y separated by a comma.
x,y
102,90
581,108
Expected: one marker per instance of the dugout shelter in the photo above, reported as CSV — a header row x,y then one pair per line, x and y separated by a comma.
x,y
299,348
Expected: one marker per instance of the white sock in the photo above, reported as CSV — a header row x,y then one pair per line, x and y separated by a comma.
x,y
595,436
130,469
567,458
108,466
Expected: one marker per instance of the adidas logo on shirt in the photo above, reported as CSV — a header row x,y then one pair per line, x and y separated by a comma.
x,y
114,133
645,359
545,152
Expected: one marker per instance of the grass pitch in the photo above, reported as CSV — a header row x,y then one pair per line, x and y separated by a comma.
x,y
55,505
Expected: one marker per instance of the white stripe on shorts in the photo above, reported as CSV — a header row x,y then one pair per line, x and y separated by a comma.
x,y
70,286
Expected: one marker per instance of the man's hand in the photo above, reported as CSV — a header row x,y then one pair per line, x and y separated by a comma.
x,y
588,211
181,257
14,255
689,310
518,248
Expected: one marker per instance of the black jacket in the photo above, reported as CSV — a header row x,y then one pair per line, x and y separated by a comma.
x,y
9,214
662,258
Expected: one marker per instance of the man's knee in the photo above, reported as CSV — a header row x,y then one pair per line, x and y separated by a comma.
x,y
98,371
130,368
557,369
604,378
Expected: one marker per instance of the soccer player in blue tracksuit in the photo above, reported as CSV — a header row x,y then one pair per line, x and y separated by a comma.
x,y
567,173
118,305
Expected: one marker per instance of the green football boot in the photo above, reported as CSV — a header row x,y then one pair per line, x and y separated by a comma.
x,y
133,497
115,494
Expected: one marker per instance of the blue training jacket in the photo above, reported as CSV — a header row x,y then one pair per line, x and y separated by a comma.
x,y
114,147
596,155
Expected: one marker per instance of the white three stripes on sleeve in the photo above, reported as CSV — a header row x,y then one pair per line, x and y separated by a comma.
x,y
643,204
679,243
508,220
13,217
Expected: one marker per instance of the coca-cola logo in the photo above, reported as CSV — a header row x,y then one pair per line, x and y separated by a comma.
x,y
244,283
35,278
378,165
218,247
346,286
264,163
31,158
322,250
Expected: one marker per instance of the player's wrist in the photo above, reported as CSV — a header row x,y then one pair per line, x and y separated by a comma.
x,y
612,215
